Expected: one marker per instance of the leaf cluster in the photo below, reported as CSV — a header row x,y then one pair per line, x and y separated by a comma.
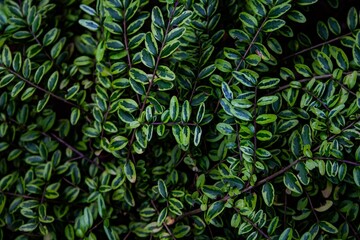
x,y
169,119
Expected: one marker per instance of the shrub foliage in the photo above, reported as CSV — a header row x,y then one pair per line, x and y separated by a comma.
x,y
206,119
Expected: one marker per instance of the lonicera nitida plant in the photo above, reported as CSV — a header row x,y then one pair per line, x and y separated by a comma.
x,y
192,119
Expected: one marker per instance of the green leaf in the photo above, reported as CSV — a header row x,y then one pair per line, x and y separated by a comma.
x,y
356,175
157,17
244,78
88,10
248,20
228,94
6,56
267,100
268,193
287,125
130,172
185,111
181,231
225,128
169,49
162,188
325,62
356,54
165,73
28,227
207,71
352,18
241,114
174,108
128,105
56,49
53,80
89,24
147,59
136,25
114,45
328,227
151,44
296,16
304,70
138,75
341,59
292,183
175,34
181,18
17,62
287,234
118,143
110,127
214,210
264,135
273,25
264,119
162,216
322,30
334,26
306,2
7,79
279,10
223,65
51,36
197,135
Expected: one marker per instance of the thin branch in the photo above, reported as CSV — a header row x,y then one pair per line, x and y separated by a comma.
x,y
300,81
339,160
80,154
126,42
164,224
311,206
317,99
256,227
187,214
255,124
127,235
91,229
355,232
173,123
238,143
72,184
147,94
317,45
243,57
42,89
272,176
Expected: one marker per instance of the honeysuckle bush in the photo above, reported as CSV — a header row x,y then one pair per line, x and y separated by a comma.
x,y
206,119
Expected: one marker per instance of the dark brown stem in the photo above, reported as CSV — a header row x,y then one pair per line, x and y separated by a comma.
x,y
311,206
127,235
147,94
256,227
98,224
164,224
317,99
355,232
184,215
316,46
69,182
254,123
173,123
80,154
339,160
41,89
243,57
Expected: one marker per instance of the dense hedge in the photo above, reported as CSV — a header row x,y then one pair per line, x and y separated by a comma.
x,y
193,119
